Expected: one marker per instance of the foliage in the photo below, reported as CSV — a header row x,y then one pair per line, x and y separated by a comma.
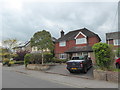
x,y
104,55
43,41
10,43
48,57
118,52
56,60
36,58
20,55
27,59
19,62
5,61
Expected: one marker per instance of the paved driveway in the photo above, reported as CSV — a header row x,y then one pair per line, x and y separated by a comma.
x,y
61,69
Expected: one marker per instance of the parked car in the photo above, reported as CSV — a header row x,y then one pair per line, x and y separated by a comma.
x,y
78,64
117,63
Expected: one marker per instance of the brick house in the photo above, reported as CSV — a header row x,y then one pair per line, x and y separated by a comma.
x,y
76,43
113,38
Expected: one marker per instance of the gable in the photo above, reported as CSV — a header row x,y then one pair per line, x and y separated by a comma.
x,y
80,35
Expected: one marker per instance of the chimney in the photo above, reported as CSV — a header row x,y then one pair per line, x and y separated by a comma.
x,y
62,33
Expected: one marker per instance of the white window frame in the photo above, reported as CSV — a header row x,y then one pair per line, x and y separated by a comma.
x,y
81,41
116,42
63,56
62,43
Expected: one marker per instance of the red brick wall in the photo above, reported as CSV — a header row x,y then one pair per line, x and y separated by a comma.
x,y
80,36
92,41
110,42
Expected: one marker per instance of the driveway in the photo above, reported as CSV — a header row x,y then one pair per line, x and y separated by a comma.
x,y
61,69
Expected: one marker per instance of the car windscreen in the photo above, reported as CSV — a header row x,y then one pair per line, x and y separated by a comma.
x,y
77,58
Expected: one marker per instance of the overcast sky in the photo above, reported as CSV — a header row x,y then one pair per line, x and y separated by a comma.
x,y
22,19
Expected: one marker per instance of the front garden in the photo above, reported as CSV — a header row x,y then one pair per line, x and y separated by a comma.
x,y
105,68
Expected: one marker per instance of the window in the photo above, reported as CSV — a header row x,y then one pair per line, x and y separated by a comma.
x,y
117,42
81,41
62,56
62,44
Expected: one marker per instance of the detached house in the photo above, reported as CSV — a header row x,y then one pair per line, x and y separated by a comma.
x,y
76,43
113,38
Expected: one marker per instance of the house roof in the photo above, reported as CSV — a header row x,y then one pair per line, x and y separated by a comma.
x,y
113,35
79,49
71,35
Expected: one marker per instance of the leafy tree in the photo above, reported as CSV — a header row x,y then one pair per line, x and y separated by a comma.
x,y
10,43
42,40
104,55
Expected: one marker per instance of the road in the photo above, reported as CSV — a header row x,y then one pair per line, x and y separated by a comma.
x,y
12,79
19,77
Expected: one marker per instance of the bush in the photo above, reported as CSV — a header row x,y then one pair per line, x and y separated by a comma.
x,y
103,55
56,60
19,62
5,61
27,59
20,55
48,57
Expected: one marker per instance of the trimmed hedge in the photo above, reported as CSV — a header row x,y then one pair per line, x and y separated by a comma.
x,y
56,60
36,58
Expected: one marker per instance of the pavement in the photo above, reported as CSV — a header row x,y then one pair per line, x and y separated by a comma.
x,y
75,82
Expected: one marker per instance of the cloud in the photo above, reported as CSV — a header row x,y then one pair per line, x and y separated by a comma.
x,y
21,19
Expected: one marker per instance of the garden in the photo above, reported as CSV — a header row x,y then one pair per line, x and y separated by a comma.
x,y
105,68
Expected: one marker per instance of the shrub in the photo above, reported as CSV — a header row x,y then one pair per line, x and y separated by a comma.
x,y
56,60
27,59
103,55
19,62
20,55
48,57
5,61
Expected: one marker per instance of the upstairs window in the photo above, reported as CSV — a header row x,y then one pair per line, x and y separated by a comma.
x,y
62,44
81,41
117,42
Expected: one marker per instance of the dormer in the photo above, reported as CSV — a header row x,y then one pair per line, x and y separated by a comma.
x,y
81,38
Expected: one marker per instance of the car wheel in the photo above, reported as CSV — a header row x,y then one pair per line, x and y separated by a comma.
x,y
85,70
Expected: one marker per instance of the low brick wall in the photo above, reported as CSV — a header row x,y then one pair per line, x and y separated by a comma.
x,y
106,75
37,67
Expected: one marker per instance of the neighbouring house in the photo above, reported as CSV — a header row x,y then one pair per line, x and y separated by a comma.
x,y
25,46
113,38
76,43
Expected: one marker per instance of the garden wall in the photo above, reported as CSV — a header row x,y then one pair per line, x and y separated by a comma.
x,y
106,75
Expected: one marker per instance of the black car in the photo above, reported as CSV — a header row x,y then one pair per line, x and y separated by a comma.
x,y
78,64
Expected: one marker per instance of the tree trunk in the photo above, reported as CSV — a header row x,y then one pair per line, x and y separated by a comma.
x,y
42,58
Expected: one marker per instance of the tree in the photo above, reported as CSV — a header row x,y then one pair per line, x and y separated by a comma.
x,y
42,40
103,54
10,43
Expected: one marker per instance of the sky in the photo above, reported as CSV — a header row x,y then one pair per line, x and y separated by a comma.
x,y
22,18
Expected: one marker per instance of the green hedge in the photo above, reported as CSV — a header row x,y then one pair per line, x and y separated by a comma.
x,y
36,58
56,60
